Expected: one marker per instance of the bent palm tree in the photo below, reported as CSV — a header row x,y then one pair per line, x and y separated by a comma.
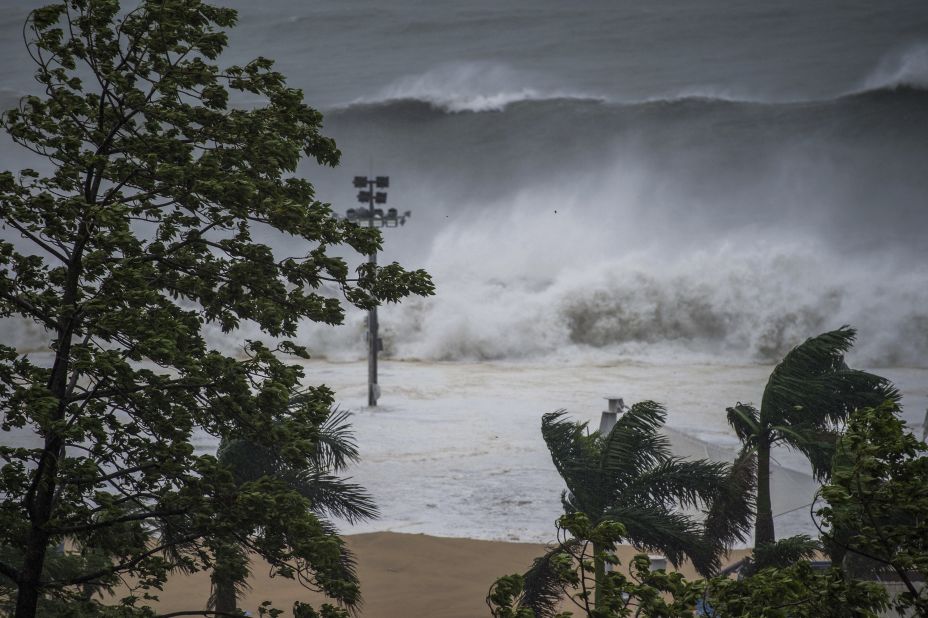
x,y
630,476
807,398
328,496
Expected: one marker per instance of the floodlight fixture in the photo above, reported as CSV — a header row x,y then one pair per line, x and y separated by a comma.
x,y
373,217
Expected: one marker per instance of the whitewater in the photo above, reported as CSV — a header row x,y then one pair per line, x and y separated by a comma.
x,y
651,201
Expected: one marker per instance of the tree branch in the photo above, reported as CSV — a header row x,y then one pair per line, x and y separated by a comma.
x,y
122,566
115,475
110,522
35,238
106,394
198,612
34,311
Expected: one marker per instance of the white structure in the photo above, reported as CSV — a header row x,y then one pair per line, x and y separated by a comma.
x,y
608,419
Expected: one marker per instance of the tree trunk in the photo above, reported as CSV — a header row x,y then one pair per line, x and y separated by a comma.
x,y
230,569
599,574
763,524
27,597
39,500
224,594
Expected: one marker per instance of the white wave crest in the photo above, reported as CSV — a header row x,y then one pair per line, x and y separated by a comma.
x,y
909,68
471,87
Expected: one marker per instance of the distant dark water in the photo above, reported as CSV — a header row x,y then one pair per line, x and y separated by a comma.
x,y
849,169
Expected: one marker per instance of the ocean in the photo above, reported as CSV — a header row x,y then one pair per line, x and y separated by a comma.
x,y
656,200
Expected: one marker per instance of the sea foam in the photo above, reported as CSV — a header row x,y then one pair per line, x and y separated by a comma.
x,y
470,87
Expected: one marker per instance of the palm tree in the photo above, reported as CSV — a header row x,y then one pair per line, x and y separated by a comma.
x,y
328,496
808,397
630,476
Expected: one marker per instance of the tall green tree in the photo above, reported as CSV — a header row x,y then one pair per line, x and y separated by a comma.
x,y
328,495
808,397
630,476
140,236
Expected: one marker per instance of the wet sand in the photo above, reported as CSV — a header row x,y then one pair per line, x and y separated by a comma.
x,y
402,576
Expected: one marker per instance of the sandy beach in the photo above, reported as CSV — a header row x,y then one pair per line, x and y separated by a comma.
x,y
402,576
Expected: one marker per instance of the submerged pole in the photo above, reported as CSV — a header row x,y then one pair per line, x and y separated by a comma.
x,y
375,218
373,340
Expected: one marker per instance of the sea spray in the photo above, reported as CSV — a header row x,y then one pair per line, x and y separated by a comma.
x,y
906,68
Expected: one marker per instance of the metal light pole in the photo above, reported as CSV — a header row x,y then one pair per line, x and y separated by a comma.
x,y
374,217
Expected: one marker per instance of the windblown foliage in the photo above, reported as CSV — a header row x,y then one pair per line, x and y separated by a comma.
x,y
630,476
569,572
878,501
793,591
810,393
138,238
328,495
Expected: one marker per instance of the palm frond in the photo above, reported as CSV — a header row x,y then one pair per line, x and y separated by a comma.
x,y
542,590
731,513
347,562
334,496
818,446
668,532
336,447
782,553
678,481
813,385
744,419
313,478
575,457
635,444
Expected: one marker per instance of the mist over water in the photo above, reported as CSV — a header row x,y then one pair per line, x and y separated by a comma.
x,y
618,180
586,227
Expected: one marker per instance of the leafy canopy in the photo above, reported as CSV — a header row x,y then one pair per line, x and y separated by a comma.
x,y
877,500
141,233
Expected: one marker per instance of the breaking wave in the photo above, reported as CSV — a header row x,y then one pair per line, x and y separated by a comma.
x,y
470,87
730,304
561,225
492,87
908,69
